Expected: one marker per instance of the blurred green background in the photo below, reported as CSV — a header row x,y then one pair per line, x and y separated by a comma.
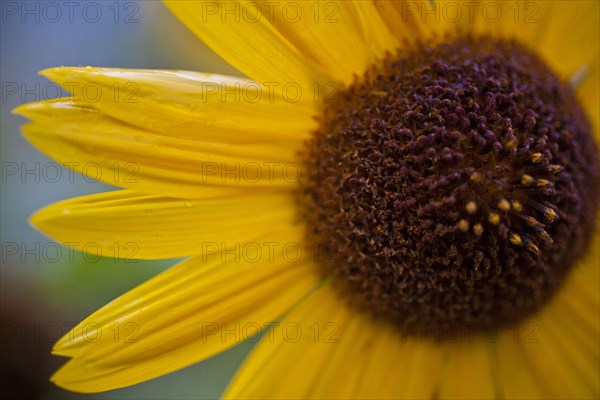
x,y
42,292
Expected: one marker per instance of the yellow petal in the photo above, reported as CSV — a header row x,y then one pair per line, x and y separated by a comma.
x,y
328,34
403,18
117,153
556,371
192,105
242,33
558,349
564,33
517,378
126,224
588,92
309,334
350,356
402,364
423,381
567,34
575,349
382,369
184,315
380,37
469,372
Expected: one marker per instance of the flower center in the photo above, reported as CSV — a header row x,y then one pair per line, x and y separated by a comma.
x,y
455,185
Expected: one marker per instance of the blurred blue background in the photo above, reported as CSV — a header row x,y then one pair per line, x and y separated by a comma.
x,y
42,292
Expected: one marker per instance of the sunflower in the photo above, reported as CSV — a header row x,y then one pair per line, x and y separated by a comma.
x,y
399,203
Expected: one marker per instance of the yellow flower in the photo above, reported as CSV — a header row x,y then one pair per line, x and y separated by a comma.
x,y
216,169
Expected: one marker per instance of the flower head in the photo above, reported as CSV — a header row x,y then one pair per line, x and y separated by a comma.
x,y
401,202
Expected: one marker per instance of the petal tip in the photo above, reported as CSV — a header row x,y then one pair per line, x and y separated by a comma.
x,y
21,110
62,381
39,219
78,376
59,74
54,72
34,219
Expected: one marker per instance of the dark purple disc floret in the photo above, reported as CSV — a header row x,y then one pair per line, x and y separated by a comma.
x,y
455,185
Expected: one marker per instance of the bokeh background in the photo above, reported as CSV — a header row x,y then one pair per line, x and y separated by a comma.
x,y
44,291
